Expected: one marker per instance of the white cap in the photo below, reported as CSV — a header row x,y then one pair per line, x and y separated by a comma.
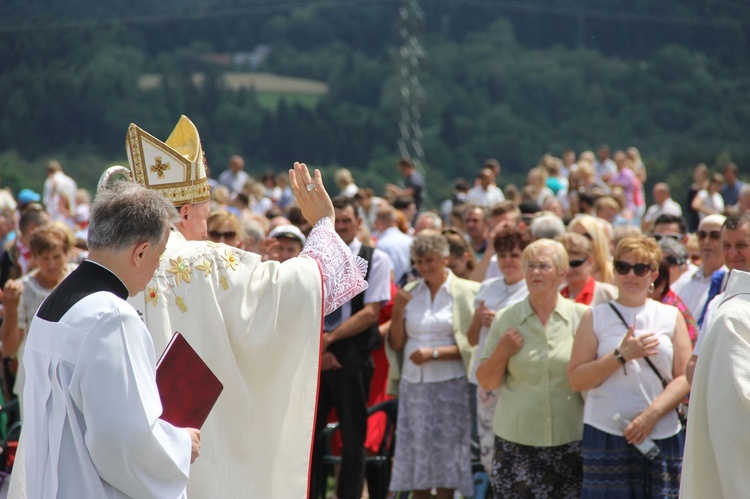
x,y
288,231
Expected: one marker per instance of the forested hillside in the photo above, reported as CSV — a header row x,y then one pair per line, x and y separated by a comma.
x,y
504,80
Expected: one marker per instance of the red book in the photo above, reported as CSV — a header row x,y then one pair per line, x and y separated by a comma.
x,y
187,387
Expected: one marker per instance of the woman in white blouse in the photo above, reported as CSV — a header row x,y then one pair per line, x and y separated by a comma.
x,y
494,295
430,317
609,360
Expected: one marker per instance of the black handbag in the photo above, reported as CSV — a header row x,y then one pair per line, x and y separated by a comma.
x,y
679,409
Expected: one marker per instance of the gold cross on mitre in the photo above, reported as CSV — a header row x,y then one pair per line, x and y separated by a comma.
x,y
159,167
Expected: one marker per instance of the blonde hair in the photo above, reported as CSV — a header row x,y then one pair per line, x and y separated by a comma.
x,y
643,248
575,243
559,255
600,244
218,217
343,177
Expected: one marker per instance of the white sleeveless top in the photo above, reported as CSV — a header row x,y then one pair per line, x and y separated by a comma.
x,y
631,394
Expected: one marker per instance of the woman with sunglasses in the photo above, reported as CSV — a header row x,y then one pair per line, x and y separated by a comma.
x,y
591,229
224,227
581,286
538,420
609,361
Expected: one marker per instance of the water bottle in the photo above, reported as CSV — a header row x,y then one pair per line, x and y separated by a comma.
x,y
648,447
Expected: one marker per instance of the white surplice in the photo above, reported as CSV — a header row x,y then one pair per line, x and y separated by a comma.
x,y
91,405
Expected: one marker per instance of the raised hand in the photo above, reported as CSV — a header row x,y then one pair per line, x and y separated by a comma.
x,y
311,195
485,314
401,299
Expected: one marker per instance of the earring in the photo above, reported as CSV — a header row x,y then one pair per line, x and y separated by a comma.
x,y
651,288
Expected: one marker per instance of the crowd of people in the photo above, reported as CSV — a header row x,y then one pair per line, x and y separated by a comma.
x,y
513,324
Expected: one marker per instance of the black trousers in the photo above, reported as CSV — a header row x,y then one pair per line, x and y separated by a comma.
x,y
347,390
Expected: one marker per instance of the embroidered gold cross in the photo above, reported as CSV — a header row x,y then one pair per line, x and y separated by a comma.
x,y
159,167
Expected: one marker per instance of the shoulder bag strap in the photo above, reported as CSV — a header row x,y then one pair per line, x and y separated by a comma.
x,y
664,382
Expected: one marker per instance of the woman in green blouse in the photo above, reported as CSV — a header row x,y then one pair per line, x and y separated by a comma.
x,y
539,418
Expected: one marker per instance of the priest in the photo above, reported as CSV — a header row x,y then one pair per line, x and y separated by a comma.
x,y
257,325
92,426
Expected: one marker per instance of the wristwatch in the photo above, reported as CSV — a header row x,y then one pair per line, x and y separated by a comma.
x,y
435,354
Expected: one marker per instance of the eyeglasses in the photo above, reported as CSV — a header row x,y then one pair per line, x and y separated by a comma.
x,y
541,267
640,269
215,235
671,235
714,234
574,264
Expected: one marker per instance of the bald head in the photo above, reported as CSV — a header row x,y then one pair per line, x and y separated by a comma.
x,y
661,192
236,163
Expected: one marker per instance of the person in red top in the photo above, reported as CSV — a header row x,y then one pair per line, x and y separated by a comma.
x,y
580,284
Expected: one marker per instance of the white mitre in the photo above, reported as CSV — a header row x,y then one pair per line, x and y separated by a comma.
x,y
176,168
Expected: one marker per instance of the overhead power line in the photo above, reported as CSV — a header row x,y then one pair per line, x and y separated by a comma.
x,y
10,24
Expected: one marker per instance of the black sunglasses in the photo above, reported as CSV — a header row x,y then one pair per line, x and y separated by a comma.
x,y
577,263
640,269
714,234
215,234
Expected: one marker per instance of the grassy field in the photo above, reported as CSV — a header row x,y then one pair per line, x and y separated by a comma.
x,y
270,88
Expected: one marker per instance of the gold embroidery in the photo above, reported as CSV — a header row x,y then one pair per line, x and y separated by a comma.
x,y
159,167
151,295
205,267
180,269
224,284
231,259
181,304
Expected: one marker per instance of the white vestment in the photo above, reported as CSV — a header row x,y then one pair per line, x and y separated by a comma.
x,y
91,408
258,327
716,456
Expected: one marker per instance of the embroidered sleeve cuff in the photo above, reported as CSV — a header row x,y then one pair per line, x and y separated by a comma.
x,y
343,273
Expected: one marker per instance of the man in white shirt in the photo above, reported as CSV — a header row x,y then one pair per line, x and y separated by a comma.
x,y
735,244
58,186
234,177
88,432
476,226
350,333
485,193
693,288
604,167
663,205
392,241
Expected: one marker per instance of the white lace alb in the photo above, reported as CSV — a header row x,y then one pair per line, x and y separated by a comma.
x,y
343,273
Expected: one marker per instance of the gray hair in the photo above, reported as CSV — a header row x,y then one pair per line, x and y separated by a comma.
x,y
555,248
673,248
547,226
127,214
435,221
429,242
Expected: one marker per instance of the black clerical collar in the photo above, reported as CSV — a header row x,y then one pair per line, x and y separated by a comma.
x,y
112,280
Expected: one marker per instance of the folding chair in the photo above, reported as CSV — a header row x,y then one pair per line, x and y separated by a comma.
x,y
377,466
